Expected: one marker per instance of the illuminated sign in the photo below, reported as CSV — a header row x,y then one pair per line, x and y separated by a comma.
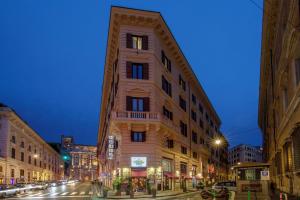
x,y
138,161
111,147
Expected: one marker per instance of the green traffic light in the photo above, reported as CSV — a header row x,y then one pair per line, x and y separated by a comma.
x,y
65,157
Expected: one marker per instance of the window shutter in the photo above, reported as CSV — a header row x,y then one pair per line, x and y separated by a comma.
x,y
145,42
129,40
146,104
128,69
128,103
169,65
144,137
162,56
146,71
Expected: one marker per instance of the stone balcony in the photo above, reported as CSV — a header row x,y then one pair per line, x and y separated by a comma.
x,y
144,117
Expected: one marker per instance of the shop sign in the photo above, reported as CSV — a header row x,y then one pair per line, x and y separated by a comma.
x,y
111,147
265,175
138,161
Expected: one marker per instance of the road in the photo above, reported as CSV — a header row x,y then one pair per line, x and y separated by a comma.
x,y
80,191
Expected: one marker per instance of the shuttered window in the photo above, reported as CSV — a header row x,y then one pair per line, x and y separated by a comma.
x,y
182,103
137,42
181,82
183,129
167,113
137,70
138,104
296,148
138,136
166,61
166,86
194,137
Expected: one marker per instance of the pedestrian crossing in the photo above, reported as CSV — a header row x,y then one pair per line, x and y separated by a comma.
x,y
40,194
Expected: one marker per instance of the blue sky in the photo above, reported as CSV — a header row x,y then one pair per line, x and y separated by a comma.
x,y
52,57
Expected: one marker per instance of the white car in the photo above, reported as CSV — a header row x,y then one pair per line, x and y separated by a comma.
x,y
8,190
230,185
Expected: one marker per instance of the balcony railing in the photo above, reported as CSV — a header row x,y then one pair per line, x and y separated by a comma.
x,y
145,116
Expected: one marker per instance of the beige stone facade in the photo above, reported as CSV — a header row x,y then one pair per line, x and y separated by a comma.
x,y
24,155
156,122
83,162
279,103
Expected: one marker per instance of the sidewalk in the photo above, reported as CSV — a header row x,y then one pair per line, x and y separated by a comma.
x,y
159,195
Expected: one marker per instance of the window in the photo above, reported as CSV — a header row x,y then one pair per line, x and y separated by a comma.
x,y
138,104
22,144
22,173
183,150
297,70
181,82
166,62
29,148
13,139
183,129
166,86
200,108
201,123
29,159
13,153
1,169
34,162
137,70
206,117
182,103
138,136
296,146
287,150
170,143
22,156
285,98
183,168
167,113
193,98
194,137
137,42
194,115
12,173
195,155
201,140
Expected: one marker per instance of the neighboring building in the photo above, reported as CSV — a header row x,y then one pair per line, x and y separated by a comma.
x,y
24,155
83,162
244,153
279,105
156,121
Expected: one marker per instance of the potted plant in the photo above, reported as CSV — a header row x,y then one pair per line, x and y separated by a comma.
x,y
117,185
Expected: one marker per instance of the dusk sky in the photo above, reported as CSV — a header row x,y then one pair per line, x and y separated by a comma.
x,y
52,57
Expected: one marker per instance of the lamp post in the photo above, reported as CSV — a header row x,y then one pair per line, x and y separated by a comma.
x,y
218,143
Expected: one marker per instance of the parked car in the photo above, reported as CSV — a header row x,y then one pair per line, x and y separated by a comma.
x,y
8,190
230,185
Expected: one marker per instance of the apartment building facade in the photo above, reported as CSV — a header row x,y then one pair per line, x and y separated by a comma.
x,y
84,162
244,153
279,106
156,124
24,155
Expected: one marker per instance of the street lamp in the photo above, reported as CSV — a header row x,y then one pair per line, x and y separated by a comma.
x,y
218,142
35,156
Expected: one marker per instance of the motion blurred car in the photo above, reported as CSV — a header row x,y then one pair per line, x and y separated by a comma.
x,y
230,185
8,190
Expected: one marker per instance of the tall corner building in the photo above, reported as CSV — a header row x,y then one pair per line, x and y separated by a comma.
x,y
279,103
156,121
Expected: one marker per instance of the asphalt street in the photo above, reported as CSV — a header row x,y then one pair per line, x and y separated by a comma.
x,y
80,191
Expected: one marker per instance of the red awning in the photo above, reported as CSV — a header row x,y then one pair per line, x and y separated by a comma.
x,y
138,173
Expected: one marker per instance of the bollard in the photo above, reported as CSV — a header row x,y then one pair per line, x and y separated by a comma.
x,y
249,195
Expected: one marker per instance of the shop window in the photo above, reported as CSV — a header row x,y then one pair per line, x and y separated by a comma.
x,y
183,168
138,136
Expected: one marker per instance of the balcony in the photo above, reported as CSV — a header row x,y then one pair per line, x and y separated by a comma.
x,y
146,117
